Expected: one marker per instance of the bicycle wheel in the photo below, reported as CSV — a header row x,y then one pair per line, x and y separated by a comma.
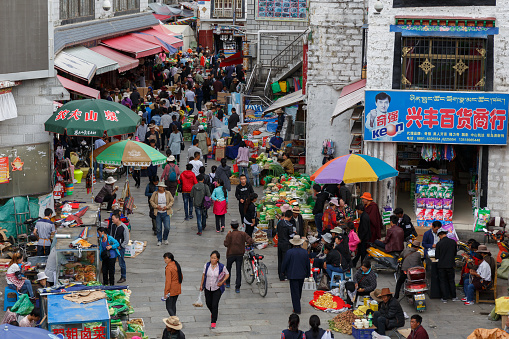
x,y
247,269
262,283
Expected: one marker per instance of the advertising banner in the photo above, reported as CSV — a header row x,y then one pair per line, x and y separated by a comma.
x,y
4,170
436,117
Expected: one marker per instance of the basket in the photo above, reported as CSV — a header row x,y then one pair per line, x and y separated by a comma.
x,y
234,180
362,333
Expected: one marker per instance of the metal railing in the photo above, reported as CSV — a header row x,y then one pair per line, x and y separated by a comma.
x,y
254,98
267,89
290,55
252,80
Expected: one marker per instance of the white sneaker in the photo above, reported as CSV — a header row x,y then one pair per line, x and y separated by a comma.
x,y
158,243
166,242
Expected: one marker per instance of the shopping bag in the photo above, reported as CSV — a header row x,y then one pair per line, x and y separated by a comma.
x,y
324,284
23,306
199,302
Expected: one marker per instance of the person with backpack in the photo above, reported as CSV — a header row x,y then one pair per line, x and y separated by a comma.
x,y
212,282
171,175
199,194
212,176
188,180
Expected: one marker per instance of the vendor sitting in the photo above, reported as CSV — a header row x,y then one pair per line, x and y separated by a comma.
x,y
481,278
44,230
314,248
15,280
275,142
394,239
42,282
107,193
389,314
32,319
334,262
364,281
287,164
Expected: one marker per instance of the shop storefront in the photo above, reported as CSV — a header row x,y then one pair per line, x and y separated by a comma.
x,y
229,39
441,151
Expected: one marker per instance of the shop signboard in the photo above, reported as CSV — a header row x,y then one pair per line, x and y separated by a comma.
x,y
473,118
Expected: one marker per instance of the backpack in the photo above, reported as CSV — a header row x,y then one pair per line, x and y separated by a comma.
x,y
172,175
207,202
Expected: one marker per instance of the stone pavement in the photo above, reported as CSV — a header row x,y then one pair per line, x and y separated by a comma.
x,y
247,314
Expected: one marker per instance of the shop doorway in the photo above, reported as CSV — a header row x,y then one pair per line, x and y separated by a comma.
x,y
434,173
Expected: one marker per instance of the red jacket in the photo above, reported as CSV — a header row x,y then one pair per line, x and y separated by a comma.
x,y
187,180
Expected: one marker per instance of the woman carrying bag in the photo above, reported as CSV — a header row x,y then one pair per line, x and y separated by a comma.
x,y
212,281
220,198
108,252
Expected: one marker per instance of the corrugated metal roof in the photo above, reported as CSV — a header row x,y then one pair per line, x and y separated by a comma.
x,y
70,35
104,64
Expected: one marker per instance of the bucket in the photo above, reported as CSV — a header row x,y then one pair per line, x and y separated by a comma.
x,y
78,174
69,189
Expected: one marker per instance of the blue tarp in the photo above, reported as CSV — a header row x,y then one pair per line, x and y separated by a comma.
x,y
62,311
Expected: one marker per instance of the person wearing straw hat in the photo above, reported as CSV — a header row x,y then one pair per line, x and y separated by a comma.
x,y
479,279
298,222
411,258
390,314
284,230
107,193
371,209
280,118
161,202
173,328
296,268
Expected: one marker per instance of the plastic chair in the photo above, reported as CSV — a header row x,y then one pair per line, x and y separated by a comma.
x,y
342,276
9,301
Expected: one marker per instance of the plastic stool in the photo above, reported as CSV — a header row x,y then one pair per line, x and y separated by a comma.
x,y
9,302
332,281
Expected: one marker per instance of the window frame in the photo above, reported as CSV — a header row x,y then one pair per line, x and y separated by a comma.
x,y
440,3
125,10
80,18
240,9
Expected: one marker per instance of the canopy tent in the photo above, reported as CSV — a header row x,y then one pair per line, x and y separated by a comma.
x,y
351,94
78,67
287,100
165,35
169,10
74,87
125,62
186,32
235,59
130,43
103,63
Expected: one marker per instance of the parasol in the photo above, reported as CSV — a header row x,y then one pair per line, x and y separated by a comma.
x,y
128,153
14,332
352,168
92,118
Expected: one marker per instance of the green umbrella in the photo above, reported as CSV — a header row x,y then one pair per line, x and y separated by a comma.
x,y
92,118
128,153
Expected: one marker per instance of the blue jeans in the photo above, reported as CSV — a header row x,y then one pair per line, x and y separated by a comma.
x,y
468,288
100,170
25,289
256,180
160,219
318,223
201,218
331,269
244,170
188,204
121,262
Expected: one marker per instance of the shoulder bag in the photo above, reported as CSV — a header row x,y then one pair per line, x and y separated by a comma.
x,y
182,146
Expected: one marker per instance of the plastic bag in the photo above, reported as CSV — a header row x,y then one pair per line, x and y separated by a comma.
x,y
23,306
199,302
502,305
483,216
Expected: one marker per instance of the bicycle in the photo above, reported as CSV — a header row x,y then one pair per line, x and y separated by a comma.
x,y
253,269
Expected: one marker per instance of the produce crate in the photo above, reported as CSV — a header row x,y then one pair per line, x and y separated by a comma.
x,y
362,333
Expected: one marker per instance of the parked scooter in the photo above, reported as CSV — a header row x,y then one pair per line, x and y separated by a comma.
x,y
416,287
384,261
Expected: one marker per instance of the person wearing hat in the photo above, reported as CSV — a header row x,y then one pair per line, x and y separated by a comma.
x,y
42,282
284,230
445,253
296,267
298,222
481,278
280,118
233,120
314,247
232,150
117,97
411,258
161,202
390,314
153,134
171,173
173,328
235,243
234,85
329,218
126,101
363,232
375,220
107,193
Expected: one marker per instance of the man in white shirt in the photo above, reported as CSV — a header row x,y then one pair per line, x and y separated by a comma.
x,y
193,149
479,279
190,100
141,131
165,122
98,143
196,163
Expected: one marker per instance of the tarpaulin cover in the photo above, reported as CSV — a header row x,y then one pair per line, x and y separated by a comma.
x,y
502,305
483,333
7,220
235,59
340,303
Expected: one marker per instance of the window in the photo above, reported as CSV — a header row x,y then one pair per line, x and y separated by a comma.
x,y
223,8
447,64
76,9
126,5
440,3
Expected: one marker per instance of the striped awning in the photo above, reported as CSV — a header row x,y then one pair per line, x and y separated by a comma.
x,y
103,63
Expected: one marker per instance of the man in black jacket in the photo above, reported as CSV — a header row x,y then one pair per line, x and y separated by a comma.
x,y
242,193
405,223
363,232
445,252
389,314
298,222
284,233
334,262
151,188
321,197
233,120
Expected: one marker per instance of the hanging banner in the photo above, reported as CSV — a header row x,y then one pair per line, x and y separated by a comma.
x,y
436,117
4,170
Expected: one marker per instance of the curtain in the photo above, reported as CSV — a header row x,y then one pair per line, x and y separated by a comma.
x,y
8,109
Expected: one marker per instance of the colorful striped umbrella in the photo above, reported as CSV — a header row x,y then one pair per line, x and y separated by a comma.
x,y
352,168
128,153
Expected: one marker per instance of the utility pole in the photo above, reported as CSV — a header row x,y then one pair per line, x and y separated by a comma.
x,y
234,11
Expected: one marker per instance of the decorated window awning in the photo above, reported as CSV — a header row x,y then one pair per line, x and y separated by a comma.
x,y
445,27
80,68
125,62
351,95
78,88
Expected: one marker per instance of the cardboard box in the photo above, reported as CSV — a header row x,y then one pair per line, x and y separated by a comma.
x,y
220,151
420,232
129,250
129,335
222,98
143,91
504,321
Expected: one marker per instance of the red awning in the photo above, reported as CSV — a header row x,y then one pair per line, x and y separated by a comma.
x,y
235,59
79,88
162,17
170,39
125,62
130,43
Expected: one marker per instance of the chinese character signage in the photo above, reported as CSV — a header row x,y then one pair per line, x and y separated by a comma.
x,y
436,117
282,10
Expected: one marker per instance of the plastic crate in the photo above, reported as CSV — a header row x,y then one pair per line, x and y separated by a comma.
x,y
364,333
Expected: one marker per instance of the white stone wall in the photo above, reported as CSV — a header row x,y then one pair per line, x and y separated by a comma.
x,y
334,60
379,76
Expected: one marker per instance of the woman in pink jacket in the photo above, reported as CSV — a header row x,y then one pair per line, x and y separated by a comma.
x,y
353,238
